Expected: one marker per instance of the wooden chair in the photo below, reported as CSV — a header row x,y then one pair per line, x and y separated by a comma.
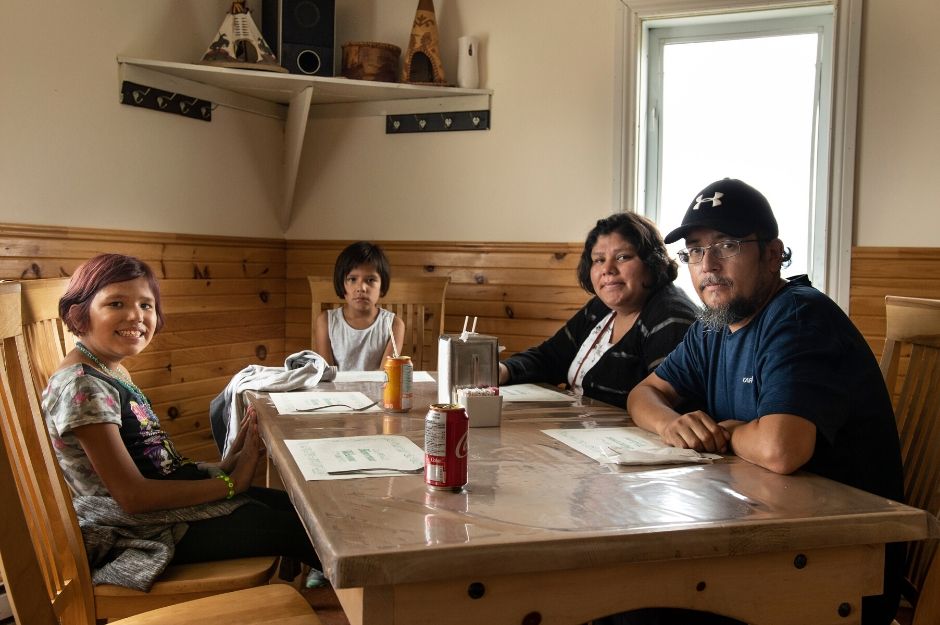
x,y
47,339
51,517
913,326
418,301
55,589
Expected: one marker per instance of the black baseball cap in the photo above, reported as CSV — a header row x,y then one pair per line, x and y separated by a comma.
x,y
729,206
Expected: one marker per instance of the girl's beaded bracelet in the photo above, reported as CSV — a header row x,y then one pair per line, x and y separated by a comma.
x,y
228,482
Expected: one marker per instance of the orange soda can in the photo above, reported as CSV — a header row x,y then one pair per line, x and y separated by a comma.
x,y
397,393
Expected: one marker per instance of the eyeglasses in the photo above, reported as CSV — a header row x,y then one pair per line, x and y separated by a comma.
x,y
724,249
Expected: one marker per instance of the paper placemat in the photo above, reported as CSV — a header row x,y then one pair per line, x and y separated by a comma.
x,y
627,446
318,402
317,458
532,392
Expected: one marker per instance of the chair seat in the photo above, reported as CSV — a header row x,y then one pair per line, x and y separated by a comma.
x,y
184,582
275,603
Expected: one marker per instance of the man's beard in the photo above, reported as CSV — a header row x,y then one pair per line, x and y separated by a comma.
x,y
738,309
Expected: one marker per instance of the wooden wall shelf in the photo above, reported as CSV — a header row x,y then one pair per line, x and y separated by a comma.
x,y
293,99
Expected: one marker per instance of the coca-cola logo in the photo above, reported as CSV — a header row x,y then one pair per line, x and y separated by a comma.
x,y
462,445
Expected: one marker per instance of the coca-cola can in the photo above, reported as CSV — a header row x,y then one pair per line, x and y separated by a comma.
x,y
446,428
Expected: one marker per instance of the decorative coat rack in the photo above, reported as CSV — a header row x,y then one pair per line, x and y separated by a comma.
x,y
142,96
437,122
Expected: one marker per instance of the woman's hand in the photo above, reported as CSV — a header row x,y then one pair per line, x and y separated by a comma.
x,y
503,374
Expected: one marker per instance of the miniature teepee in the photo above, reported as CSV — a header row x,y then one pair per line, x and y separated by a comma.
x,y
422,62
240,44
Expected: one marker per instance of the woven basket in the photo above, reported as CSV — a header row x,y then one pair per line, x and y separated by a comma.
x,y
371,60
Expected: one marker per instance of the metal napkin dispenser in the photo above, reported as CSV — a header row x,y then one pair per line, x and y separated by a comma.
x,y
465,360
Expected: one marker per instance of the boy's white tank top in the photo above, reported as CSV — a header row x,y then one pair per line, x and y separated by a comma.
x,y
358,350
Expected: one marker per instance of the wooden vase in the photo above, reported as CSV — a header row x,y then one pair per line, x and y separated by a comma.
x,y
422,63
371,60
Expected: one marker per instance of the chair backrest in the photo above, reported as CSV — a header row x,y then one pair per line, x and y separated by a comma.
x,y
419,302
46,570
913,334
47,339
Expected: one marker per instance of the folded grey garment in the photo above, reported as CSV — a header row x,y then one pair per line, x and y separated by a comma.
x,y
308,356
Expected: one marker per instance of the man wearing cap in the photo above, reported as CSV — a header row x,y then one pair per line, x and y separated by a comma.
x,y
786,380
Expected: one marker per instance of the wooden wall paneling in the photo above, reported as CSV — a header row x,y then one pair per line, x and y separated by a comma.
x,y
178,361
520,292
223,297
880,271
234,301
183,415
223,335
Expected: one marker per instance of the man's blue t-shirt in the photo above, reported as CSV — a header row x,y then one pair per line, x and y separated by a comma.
x,y
800,355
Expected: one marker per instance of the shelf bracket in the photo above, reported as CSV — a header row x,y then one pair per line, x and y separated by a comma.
x,y
294,131
292,99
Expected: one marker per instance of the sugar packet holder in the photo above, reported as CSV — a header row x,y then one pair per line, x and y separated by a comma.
x,y
477,391
484,405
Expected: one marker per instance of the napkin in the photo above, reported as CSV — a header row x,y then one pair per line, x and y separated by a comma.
x,y
664,455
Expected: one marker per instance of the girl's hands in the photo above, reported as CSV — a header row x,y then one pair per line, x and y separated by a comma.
x,y
231,458
247,456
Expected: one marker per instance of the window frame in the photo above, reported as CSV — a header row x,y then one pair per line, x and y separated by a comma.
x,y
629,126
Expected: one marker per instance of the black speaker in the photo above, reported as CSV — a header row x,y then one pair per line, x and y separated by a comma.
x,y
301,34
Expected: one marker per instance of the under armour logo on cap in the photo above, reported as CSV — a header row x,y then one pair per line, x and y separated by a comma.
x,y
715,200
731,207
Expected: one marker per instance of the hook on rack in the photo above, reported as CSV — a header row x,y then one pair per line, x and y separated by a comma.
x,y
437,122
142,96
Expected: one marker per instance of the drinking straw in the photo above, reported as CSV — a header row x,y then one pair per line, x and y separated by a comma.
x,y
474,328
391,337
463,334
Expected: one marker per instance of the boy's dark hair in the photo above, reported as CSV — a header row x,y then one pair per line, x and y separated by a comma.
x,y
95,274
644,236
361,253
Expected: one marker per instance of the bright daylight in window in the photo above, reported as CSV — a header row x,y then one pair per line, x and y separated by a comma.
x,y
739,108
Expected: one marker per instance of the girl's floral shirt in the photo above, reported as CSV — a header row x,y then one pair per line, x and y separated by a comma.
x,y
80,395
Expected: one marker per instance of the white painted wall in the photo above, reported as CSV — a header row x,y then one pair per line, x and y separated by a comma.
x,y
899,125
73,156
542,173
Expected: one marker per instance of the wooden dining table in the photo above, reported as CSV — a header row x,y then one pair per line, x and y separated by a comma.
x,y
543,534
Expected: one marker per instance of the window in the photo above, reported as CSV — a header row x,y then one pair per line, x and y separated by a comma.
x,y
758,95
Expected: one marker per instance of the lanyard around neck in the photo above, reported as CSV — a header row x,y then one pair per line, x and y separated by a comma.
x,y
613,315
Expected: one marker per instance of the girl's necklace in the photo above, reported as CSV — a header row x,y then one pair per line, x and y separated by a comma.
x,y
118,377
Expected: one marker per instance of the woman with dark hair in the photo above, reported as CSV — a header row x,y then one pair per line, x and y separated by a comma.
x,y
636,317
130,485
